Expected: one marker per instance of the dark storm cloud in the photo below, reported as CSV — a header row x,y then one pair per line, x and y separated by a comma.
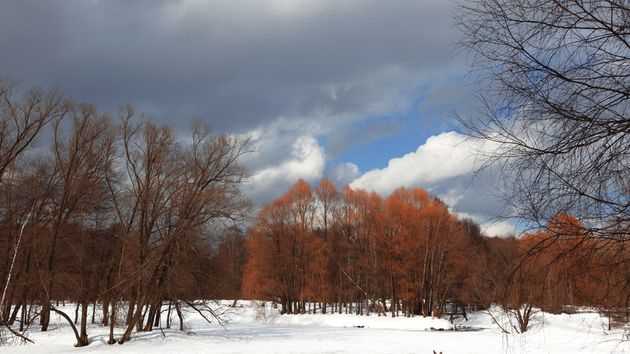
x,y
236,64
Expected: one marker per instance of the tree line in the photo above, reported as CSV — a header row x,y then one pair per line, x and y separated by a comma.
x,y
324,250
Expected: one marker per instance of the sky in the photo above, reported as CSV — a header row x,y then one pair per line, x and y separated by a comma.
x,y
362,92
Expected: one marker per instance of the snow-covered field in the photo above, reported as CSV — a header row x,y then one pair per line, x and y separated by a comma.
x,y
252,329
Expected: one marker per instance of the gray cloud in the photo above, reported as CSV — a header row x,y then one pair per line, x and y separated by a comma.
x,y
237,64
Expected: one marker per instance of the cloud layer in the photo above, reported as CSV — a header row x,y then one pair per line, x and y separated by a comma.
x,y
236,64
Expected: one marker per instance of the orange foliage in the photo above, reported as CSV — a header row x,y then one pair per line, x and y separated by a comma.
x,y
353,247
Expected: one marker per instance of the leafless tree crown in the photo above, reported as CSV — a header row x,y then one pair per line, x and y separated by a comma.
x,y
557,105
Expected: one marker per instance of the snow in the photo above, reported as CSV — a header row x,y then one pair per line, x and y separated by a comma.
x,y
251,328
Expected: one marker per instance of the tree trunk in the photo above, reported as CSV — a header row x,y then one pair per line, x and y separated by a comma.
x,y
179,314
83,337
168,315
76,313
105,315
112,324
69,320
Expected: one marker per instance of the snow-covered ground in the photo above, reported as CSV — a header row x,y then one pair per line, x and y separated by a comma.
x,y
254,329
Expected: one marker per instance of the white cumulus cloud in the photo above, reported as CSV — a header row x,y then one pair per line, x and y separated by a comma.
x,y
498,229
305,160
441,157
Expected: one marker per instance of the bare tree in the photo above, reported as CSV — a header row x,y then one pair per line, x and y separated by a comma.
x,y
82,158
174,193
22,118
557,105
